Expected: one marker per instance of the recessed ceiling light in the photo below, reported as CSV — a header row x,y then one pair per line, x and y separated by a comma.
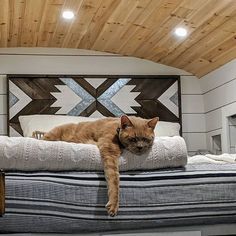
x,y
181,32
68,15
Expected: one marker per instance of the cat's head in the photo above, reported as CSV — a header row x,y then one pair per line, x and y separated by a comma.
x,y
137,134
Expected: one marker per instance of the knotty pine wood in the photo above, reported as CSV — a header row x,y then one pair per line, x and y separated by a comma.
x,y
141,28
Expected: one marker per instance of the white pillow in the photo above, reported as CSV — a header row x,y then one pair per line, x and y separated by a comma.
x,y
164,128
45,123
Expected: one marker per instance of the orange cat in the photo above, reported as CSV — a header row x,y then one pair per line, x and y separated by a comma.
x,y
110,135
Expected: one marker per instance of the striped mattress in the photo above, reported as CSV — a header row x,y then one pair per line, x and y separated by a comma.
x,y
73,202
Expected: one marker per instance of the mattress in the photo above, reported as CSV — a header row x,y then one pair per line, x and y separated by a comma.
x,y
73,202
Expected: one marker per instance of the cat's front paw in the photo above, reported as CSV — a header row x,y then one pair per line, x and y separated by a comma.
x,y
112,208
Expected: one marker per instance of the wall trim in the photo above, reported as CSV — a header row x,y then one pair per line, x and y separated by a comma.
x,y
194,132
219,86
191,113
61,55
210,90
220,107
213,130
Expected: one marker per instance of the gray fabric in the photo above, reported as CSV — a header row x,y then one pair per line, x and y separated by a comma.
x,y
69,202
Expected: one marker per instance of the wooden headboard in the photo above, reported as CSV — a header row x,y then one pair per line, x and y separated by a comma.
x,y
86,95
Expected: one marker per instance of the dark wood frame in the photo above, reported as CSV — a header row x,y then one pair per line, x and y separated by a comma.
x,y
177,77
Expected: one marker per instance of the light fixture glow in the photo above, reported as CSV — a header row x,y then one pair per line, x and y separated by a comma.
x,y
68,15
181,32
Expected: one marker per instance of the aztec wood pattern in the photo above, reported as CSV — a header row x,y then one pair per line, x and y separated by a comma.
x,y
144,96
140,28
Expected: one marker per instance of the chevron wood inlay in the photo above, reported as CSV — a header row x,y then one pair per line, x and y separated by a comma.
x,y
144,96
140,28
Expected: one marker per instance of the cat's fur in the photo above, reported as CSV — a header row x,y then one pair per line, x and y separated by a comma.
x,y
110,135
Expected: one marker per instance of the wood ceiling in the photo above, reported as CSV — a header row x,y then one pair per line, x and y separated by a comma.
x,y
140,28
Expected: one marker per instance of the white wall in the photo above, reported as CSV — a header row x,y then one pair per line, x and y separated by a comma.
x,y
73,61
193,114
219,91
77,61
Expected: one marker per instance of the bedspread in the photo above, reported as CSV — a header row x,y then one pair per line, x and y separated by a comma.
x,y
72,202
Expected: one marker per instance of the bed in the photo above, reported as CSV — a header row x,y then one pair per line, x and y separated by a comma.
x,y
73,201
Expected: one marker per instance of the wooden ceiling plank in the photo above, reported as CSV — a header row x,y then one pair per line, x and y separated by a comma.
x,y
63,25
116,38
159,53
161,14
4,23
181,12
193,4
16,10
155,20
201,15
211,40
203,62
136,27
99,20
226,57
117,19
40,23
137,24
49,22
216,52
80,26
196,65
166,38
205,10
139,38
32,15
200,32
159,40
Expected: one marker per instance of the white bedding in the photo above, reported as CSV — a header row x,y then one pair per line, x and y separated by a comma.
x,y
214,159
28,154
45,123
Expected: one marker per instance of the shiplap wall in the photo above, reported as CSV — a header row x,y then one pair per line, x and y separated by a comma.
x,y
65,61
219,92
232,134
193,114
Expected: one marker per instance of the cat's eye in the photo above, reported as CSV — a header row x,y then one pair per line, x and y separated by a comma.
x,y
133,140
146,140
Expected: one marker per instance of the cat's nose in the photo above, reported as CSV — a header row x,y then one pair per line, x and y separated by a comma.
x,y
140,148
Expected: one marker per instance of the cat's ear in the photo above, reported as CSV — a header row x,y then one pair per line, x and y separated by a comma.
x,y
125,122
152,123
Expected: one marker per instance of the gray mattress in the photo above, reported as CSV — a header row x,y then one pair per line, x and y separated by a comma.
x,y
73,202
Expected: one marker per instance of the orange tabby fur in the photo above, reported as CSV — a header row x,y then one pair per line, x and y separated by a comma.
x,y
110,135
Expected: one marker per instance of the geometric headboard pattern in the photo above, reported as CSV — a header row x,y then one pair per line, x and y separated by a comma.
x,y
144,96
